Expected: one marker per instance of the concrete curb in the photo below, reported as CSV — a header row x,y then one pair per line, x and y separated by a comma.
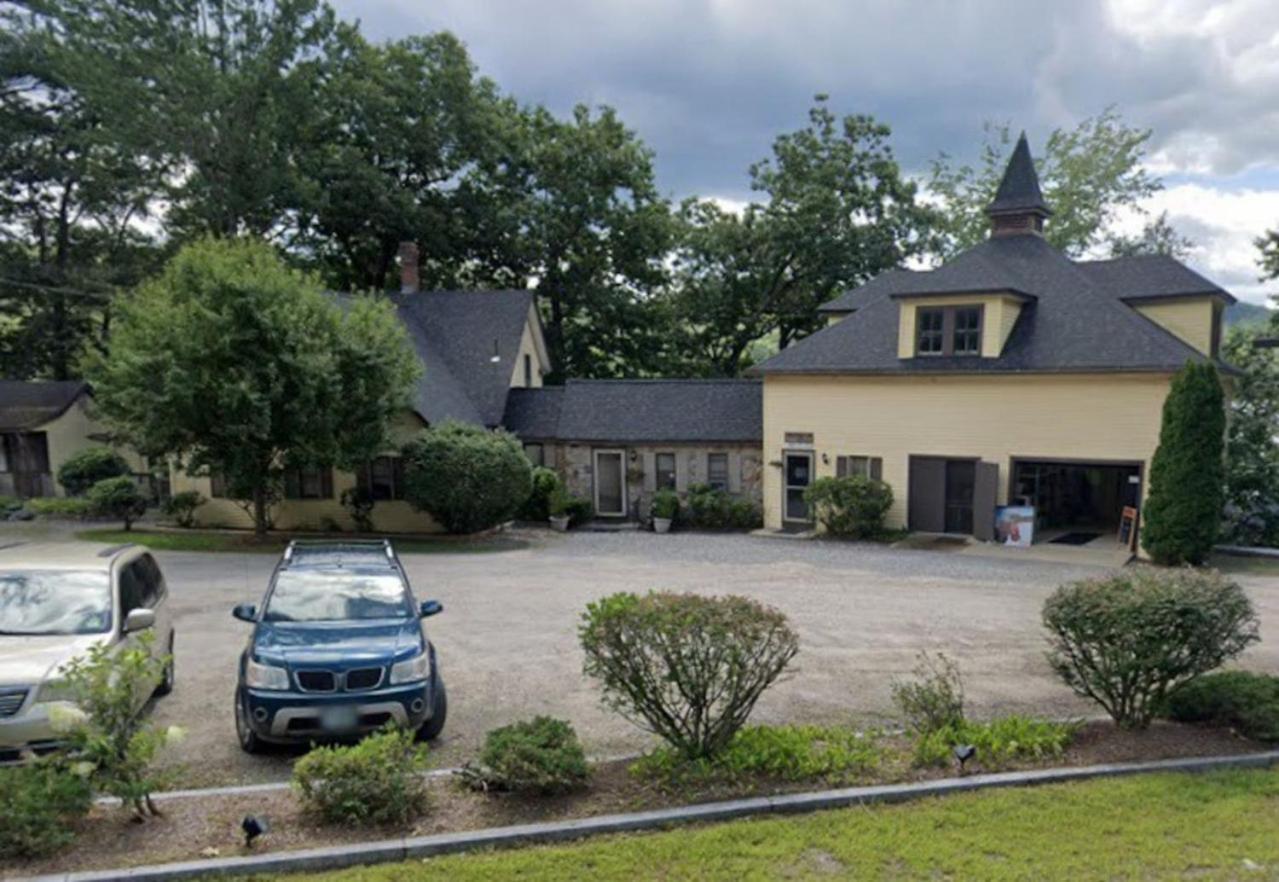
x,y
389,850
1247,551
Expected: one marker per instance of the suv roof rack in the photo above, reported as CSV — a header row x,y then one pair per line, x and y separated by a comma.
x,y
340,552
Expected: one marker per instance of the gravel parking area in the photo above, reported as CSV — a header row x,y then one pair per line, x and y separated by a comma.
x,y
508,648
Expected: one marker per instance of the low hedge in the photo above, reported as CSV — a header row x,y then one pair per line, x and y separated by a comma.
x,y
541,756
1247,702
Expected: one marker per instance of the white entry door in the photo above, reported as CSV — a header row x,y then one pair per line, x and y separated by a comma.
x,y
610,484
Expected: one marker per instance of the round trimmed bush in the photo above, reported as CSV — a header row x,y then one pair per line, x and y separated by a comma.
x,y
852,506
118,498
685,667
376,781
467,478
1127,640
181,507
542,755
93,464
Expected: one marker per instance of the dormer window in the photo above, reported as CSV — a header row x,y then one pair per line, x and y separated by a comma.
x,y
948,330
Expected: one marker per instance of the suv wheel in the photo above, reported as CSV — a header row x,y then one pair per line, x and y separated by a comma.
x,y
166,684
249,741
432,728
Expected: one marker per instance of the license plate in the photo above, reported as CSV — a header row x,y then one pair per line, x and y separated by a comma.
x,y
339,719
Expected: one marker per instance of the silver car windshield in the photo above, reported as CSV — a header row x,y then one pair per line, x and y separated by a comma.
x,y
34,602
301,596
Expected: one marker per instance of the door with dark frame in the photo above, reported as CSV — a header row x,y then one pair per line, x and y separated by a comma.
x,y
797,474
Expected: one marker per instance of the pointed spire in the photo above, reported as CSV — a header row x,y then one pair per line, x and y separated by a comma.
x,y
1019,206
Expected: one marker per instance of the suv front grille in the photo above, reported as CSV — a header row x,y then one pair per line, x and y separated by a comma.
x,y
363,678
316,681
11,700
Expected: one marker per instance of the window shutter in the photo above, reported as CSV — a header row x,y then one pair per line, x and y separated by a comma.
x,y
841,467
650,471
681,473
877,468
734,472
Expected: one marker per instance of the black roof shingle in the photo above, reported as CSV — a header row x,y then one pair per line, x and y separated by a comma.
x,y
26,404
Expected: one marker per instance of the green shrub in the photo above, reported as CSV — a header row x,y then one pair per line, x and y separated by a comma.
x,y
853,506
789,753
377,781
467,478
359,502
998,743
9,503
60,507
1125,641
39,802
711,509
181,507
542,756
118,498
538,505
93,464
104,726
1247,702
577,509
935,698
1182,515
666,504
685,667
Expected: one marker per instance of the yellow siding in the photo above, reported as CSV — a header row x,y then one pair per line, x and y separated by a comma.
x,y
75,430
1000,313
528,347
1112,417
1190,319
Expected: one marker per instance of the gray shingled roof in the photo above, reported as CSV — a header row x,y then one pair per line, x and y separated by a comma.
x,y
1150,276
639,411
1075,321
28,404
1019,188
456,335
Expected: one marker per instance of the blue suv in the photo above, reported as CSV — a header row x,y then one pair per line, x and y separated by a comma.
x,y
337,650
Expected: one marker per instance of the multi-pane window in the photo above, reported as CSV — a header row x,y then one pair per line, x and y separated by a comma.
x,y
968,330
717,471
383,478
308,483
932,338
536,454
665,467
866,466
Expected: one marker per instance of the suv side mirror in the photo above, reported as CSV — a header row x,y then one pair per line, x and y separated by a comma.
x,y
431,607
139,620
245,612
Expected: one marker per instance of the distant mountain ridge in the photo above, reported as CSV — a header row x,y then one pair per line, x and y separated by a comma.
x,y
1247,314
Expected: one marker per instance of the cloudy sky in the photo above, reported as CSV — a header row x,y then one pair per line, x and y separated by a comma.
x,y
709,83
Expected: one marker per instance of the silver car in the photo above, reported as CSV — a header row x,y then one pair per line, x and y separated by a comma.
x,y
56,601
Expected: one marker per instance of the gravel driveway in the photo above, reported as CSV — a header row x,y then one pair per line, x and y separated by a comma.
x,y
508,647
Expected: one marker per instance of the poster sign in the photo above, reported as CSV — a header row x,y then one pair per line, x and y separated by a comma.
x,y
1015,525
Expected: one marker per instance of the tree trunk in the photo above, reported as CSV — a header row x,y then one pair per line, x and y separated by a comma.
x,y
259,511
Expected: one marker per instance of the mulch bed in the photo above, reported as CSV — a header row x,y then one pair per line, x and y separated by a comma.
x,y
210,827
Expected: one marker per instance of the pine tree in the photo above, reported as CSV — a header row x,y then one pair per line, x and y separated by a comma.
x,y
1187,474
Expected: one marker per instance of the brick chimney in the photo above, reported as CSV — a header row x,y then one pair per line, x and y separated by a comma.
x,y
408,258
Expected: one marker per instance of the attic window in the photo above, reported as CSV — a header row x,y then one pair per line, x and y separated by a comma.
x,y
968,330
948,330
931,335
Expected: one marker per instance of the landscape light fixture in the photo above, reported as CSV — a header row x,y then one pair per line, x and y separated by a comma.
x,y
963,753
253,827
495,358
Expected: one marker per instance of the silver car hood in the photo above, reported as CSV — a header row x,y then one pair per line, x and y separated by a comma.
x,y
25,661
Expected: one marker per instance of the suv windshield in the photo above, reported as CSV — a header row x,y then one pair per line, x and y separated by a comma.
x,y
55,602
301,596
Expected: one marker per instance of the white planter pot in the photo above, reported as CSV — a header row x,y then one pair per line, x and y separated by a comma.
x,y
661,525
560,523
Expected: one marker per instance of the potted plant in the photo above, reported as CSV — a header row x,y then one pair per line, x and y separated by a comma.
x,y
665,510
561,509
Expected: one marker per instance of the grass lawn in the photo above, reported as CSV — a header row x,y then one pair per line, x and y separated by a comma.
x,y
211,540
1212,826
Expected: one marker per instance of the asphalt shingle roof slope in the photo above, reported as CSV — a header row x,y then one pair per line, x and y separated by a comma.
x,y
27,404
456,335
640,411
1019,187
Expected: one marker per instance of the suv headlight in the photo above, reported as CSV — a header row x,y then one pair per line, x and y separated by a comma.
x,y
259,676
411,669
53,690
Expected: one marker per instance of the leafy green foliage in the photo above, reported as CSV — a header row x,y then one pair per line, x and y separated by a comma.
x,y
1268,246
1125,641
61,507
181,507
934,700
105,728
118,498
359,503
87,467
709,508
1251,515
236,364
576,508
1088,175
666,504
685,667
787,753
377,781
39,801
1183,512
538,505
852,506
467,478
1247,702
541,755
999,742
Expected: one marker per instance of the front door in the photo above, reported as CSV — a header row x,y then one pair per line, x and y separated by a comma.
x,y
797,474
961,480
610,484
